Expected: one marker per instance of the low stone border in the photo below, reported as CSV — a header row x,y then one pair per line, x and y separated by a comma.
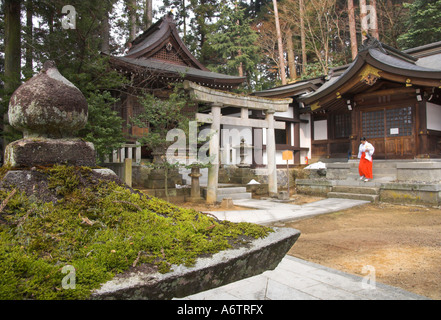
x,y
218,270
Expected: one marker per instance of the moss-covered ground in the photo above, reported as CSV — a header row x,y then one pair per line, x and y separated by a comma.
x,y
100,228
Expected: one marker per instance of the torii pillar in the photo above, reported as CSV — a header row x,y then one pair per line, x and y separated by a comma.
x,y
213,170
271,153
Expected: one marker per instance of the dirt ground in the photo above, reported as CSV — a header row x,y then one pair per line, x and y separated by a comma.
x,y
402,243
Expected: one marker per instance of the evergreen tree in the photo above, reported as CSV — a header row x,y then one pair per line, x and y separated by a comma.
x,y
424,24
234,42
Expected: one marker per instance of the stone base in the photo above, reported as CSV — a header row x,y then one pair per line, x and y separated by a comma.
x,y
156,179
195,199
35,183
174,195
314,187
242,175
27,153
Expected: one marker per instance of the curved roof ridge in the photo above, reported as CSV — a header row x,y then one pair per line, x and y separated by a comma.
x,y
154,37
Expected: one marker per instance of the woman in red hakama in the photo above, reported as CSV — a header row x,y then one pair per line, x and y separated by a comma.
x,y
365,153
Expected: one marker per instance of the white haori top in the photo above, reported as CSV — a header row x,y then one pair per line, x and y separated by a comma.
x,y
368,149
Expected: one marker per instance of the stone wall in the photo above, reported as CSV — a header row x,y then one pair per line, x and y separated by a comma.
x,y
419,171
411,193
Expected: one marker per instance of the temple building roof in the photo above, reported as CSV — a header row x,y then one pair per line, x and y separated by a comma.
x,y
160,51
375,64
293,89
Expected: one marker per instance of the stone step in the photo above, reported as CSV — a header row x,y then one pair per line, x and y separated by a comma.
x,y
234,193
231,190
235,196
382,171
377,177
376,183
377,164
354,196
356,190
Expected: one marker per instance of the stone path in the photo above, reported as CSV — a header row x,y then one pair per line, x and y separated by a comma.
x,y
269,211
296,279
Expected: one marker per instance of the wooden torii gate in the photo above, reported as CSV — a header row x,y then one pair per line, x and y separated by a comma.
x,y
219,99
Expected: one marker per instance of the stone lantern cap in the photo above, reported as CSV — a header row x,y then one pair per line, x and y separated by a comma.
x,y
48,105
49,110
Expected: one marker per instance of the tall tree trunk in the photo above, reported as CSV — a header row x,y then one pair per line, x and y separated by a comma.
x,y
363,18
303,36
12,55
148,14
105,34
29,35
280,45
12,45
352,29
184,17
374,19
239,53
291,55
132,19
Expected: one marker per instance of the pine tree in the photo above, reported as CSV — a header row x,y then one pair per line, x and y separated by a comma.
x,y
234,42
424,24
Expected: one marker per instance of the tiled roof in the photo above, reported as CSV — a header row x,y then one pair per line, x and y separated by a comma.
x,y
161,50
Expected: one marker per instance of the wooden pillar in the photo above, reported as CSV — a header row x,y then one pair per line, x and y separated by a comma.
x,y
421,126
354,139
297,142
213,170
271,153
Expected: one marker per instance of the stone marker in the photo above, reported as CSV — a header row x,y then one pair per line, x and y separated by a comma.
x,y
195,174
49,110
227,203
283,195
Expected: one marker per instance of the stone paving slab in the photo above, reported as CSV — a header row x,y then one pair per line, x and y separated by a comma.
x,y
267,211
296,279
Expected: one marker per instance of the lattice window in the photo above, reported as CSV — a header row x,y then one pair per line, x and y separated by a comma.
x,y
168,53
342,127
373,124
399,122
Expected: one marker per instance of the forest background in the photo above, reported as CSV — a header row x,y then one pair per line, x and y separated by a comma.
x,y
233,37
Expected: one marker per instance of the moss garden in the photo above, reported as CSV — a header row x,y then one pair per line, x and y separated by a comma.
x,y
101,228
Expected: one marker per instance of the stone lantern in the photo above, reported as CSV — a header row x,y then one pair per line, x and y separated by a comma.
x,y
49,110
195,186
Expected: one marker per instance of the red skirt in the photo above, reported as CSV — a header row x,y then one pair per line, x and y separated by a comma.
x,y
365,167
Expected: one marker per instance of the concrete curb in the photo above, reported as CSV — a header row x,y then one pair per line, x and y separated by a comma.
x,y
220,269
